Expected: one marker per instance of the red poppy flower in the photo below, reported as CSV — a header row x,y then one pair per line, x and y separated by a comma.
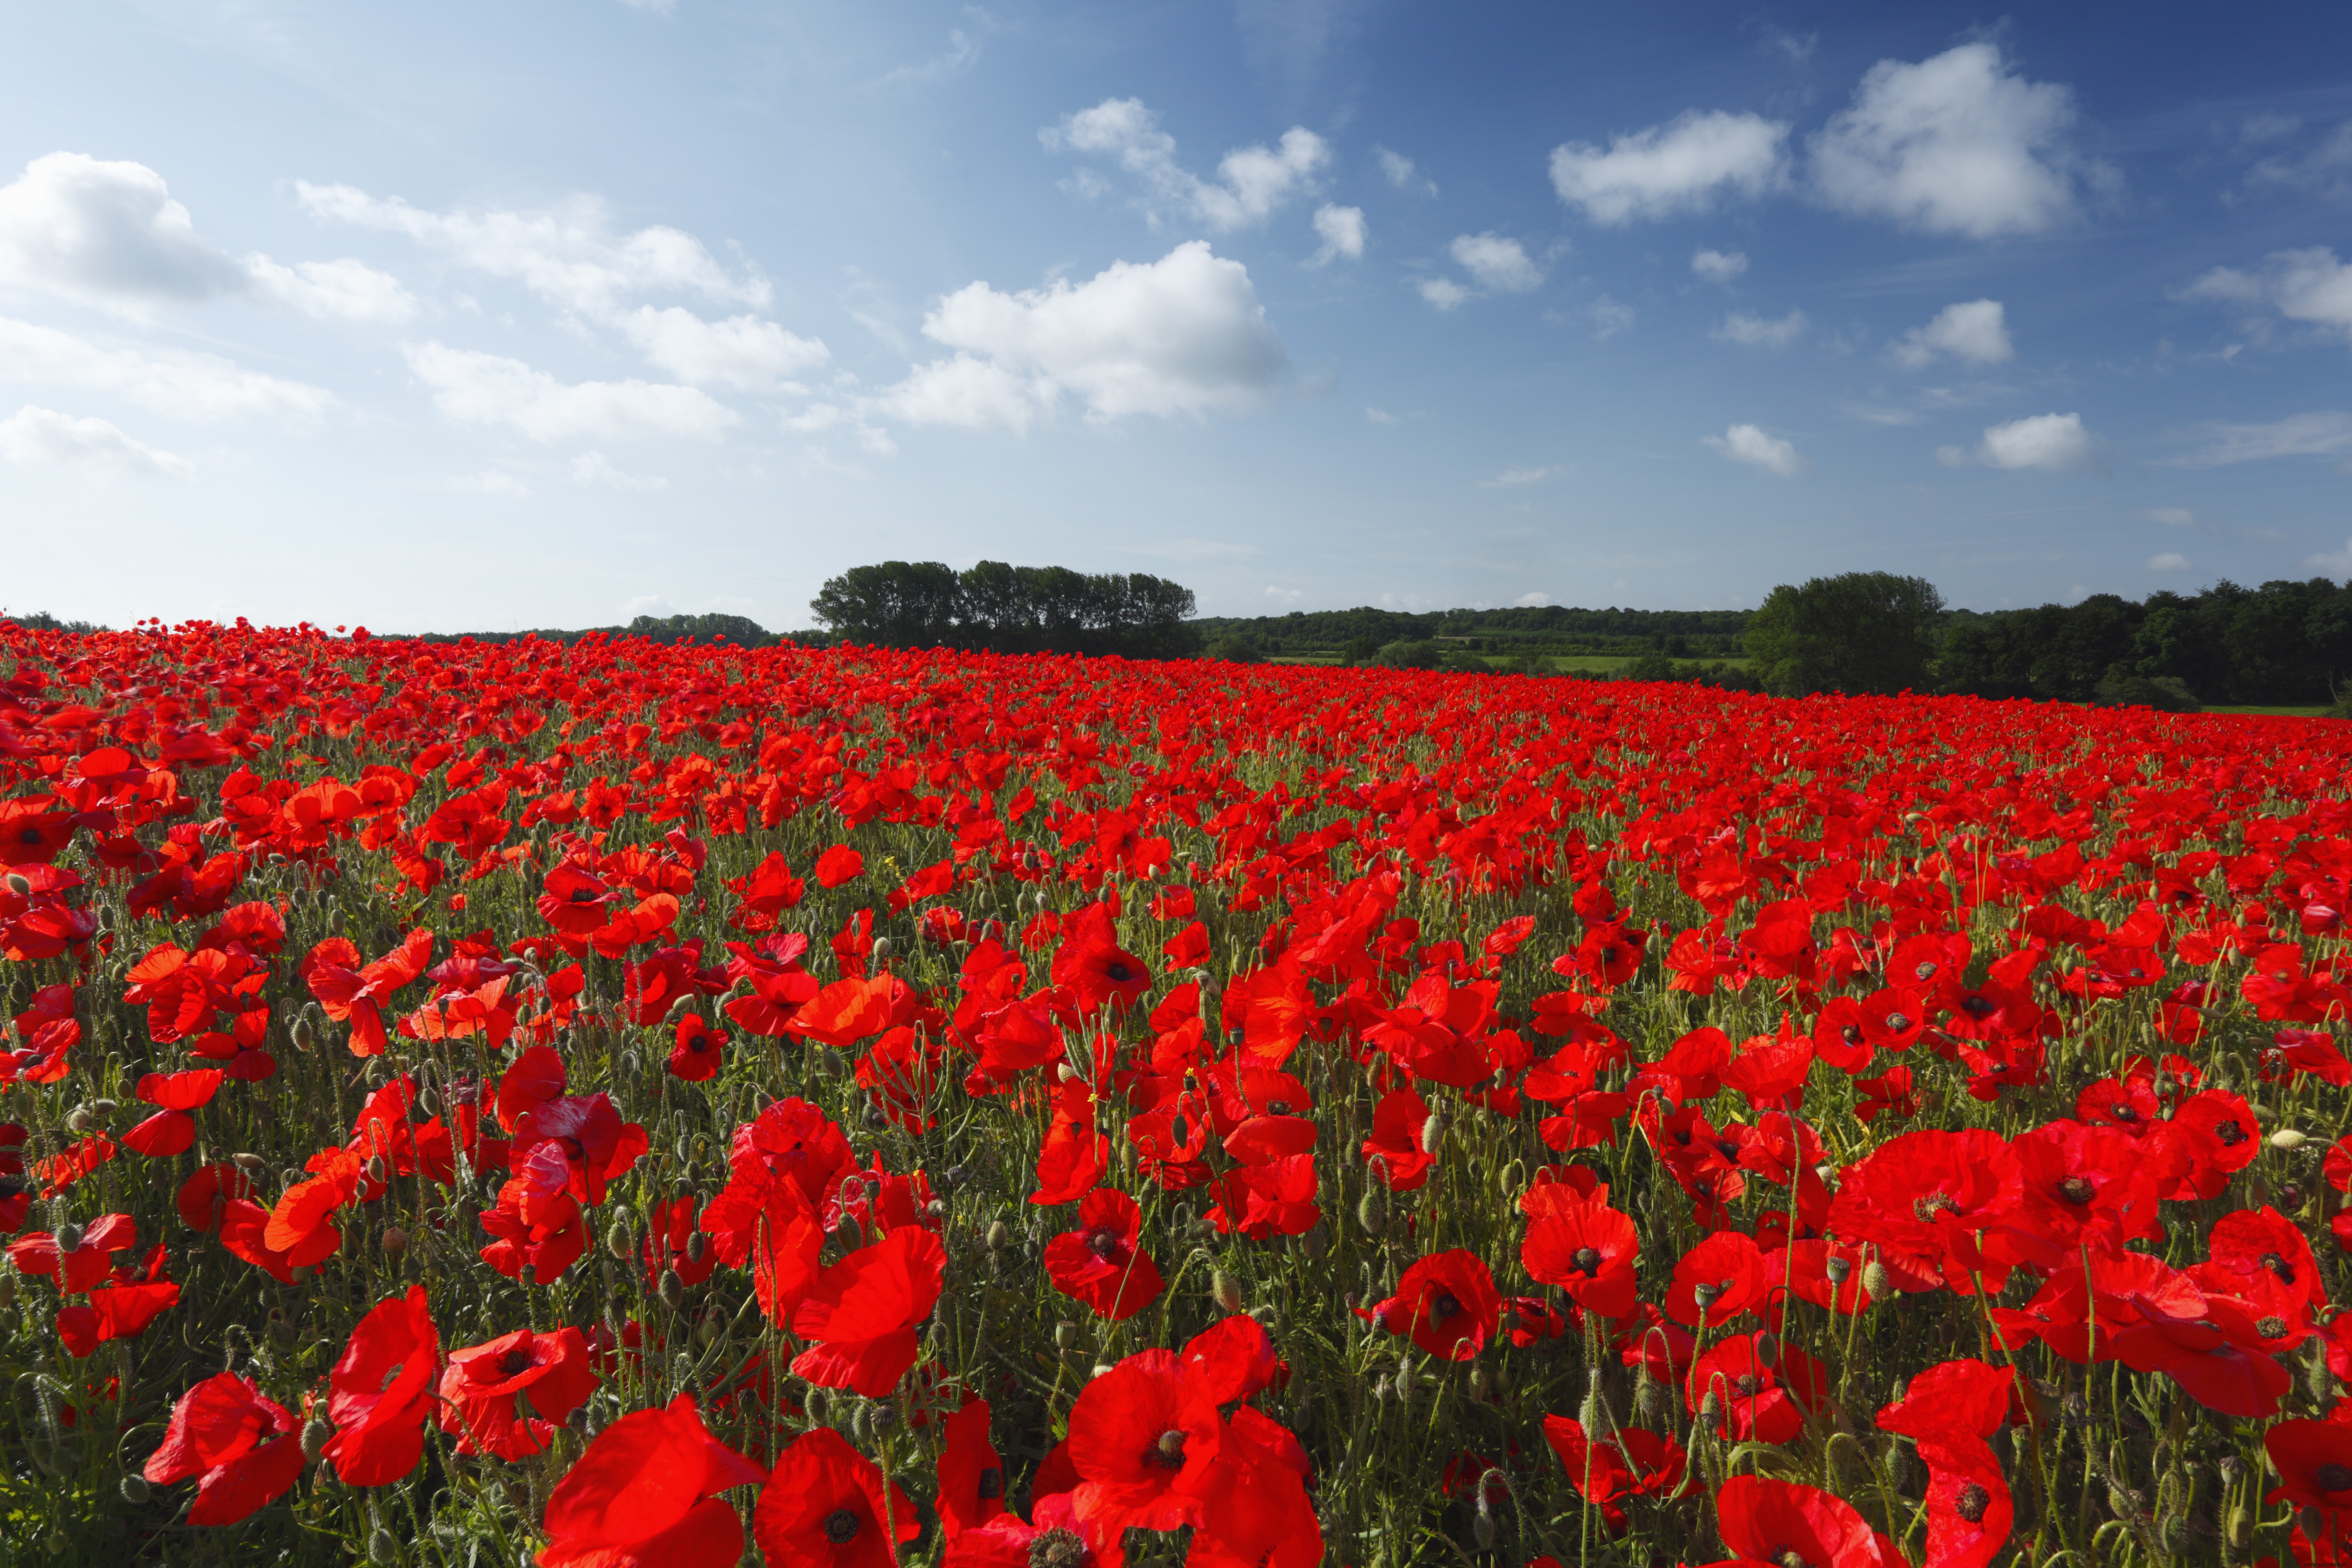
x,y
697,1050
479,1385
536,1223
1446,1302
1730,1267
172,1131
1768,1401
1265,1200
121,1309
863,1310
1099,1263
1231,1359
1932,1197
793,1137
1960,1398
971,1474
765,1223
1397,1121
2314,1459
1789,1524
2264,1242
381,1391
242,1445
1255,1512
837,865
1144,1437
1587,1250
827,1506
643,1496
78,1258
1635,1464
1969,1509
597,1144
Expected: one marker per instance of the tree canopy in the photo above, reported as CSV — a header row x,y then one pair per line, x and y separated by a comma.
x,y
1859,631
1009,609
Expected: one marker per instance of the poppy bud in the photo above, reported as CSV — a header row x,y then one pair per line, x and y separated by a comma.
x,y
253,1165
1372,1212
618,1241
696,1246
2286,1139
135,1489
1225,1290
1432,1131
428,1101
1768,1349
80,1119
2240,1527
672,1289
383,1546
69,1237
1874,1280
304,1035
1483,1527
707,1330
377,1171
395,1241
817,1406
20,885
1594,1415
1513,1178
881,948
1478,1383
1649,1394
316,1434
999,1234
1710,1409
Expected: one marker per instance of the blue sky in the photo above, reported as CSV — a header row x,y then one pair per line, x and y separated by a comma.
x,y
438,317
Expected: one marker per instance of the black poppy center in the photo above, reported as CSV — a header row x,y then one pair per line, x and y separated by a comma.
x,y
992,1483
1972,1502
1102,1243
1277,1108
1853,1034
1119,971
841,1526
2272,1328
1056,1549
1445,1307
1789,1557
2077,1189
1586,1260
1168,1453
2230,1134
1934,1204
2279,1266
2123,1112
514,1362
1979,1005
2332,1478
1746,1384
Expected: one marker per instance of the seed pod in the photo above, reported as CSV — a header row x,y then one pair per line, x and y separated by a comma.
x,y
882,1420
316,1434
1225,1290
1839,1268
1065,1334
395,1241
1875,1281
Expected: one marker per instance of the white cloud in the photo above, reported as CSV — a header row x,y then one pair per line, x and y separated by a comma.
x,y
1378,417
653,7
1977,332
1955,144
109,233
332,290
1496,262
2301,285
1252,182
2320,435
1681,166
595,468
43,438
2170,516
1510,479
1184,334
184,385
1610,317
2052,443
1759,331
1532,601
1748,444
489,389
2167,562
2335,562
741,351
495,482
568,256
1285,595
1443,292
1401,173
1718,266
1342,232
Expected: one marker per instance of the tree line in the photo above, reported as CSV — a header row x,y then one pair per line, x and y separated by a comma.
x,y
1001,609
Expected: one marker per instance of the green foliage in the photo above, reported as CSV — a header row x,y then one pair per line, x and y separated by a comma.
x,y
1858,632
2122,687
1234,650
999,608
1423,654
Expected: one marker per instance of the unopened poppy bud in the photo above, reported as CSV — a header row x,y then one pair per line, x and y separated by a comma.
x,y
304,1035
1514,1177
1478,1382
254,1166
1768,1349
69,1237
1432,1131
2287,1140
1483,1527
383,1546
134,1489
1874,1280
672,1289
377,1171
80,1119
316,1434
2240,1528
428,1101
1593,1415
20,885
707,1330
1225,1290
696,1246
618,1241
1710,1409
1373,1211
818,1406
395,1241
881,948
1000,1235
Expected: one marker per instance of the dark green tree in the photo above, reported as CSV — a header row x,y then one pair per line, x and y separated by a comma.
x,y
1861,631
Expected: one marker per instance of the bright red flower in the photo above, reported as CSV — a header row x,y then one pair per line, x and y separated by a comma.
x,y
1446,1302
1768,1401
1397,1121
76,1258
1942,1202
1144,1437
1786,1523
644,1496
1731,1267
1589,1250
2314,1459
1097,1263
243,1446
971,1473
837,865
553,1371
1637,1463
863,1310
827,1506
381,1391
697,1050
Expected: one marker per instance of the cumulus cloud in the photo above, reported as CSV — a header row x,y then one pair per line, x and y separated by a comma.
x,y
1342,232
42,437
109,233
1511,479
1285,595
490,389
2052,443
1682,166
1443,292
1400,172
193,387
1748,444
2324,433
2335,562
1532,601
2301,285
2170,560
1496,262
1718,266
1182,335
1955,144
569,255
1759,331
742,351
1252,182
1610,318
1976,332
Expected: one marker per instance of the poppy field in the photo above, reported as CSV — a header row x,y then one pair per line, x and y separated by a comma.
x,y
617,1104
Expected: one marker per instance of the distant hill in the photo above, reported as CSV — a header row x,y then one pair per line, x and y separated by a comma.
x,y
739,630
1549,629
